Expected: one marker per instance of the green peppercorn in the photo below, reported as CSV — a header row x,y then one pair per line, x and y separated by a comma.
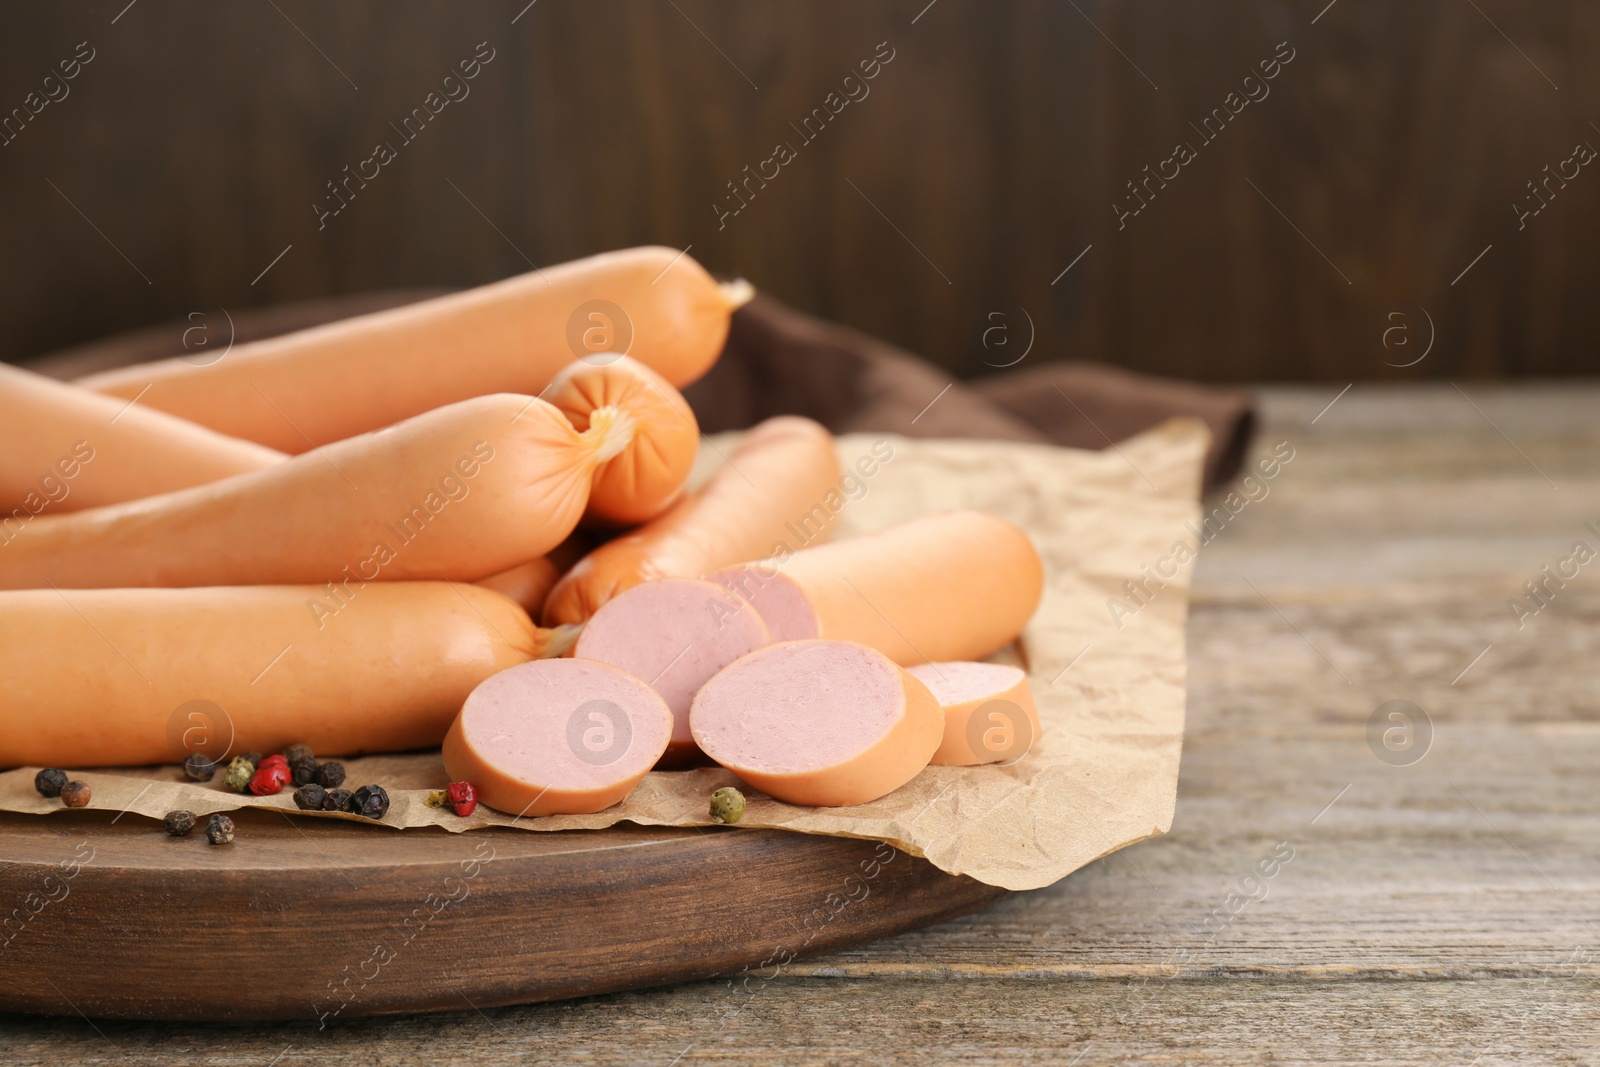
x,y
219,829
371,801
75,794
437,798
304,770
240,771
330,775
200,767
49,781
310,797
727,804
180,823
297,752
337,800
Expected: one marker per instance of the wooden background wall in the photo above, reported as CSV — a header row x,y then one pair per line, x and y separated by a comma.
x,y
986,158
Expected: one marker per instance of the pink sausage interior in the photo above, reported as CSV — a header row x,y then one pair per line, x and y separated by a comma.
x,y
796,708
960,682
565,724
783,606
674,634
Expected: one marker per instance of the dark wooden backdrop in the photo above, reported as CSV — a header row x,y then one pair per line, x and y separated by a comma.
x,y
986,158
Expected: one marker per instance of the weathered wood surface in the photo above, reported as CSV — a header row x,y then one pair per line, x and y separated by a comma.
x,y
1442,912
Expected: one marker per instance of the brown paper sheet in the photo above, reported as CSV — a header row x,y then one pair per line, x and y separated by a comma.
x,y
1109,684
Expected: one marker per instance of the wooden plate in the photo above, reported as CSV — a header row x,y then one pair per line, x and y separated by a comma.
x,y
318,919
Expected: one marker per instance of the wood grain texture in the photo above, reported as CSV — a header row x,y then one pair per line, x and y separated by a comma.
x,y
424,921
1443,912
985,158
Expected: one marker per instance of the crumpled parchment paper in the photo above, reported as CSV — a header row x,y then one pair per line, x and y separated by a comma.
x,y
1109,679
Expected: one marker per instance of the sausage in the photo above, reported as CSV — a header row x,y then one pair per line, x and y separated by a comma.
x,y
124,677
529,583
334,381
553,737
950,586
458,493
64,448
989,713
645,478
674,633
827,723
769,493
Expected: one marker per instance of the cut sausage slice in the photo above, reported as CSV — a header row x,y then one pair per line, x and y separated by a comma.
x,y
952,586
818,722
989,714
675,634
557,737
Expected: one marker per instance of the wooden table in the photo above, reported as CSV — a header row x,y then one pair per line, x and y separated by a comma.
x,y
1435,911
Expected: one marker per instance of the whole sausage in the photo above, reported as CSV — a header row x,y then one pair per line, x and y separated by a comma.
x,y
771,492
64,448
459,493
645,478
950,586
334,381
123,677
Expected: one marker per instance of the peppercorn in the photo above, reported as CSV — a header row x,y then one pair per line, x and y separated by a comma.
x,y
371,801
269,780
200,767
180,823
296,752
219,829
304,770
75,794
49,782
240,771
274,760
463,797
330,775
337,800
727,804
436,798
310,797
253,758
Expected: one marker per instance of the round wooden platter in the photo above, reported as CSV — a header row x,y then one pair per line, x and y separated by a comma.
x,y
106,916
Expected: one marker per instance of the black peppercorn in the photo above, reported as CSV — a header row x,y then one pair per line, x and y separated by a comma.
x,y
252,758
294,753
304,770
371,801
200,767
76,794
49,782
310,797
180,823
219,829
337,800
330,775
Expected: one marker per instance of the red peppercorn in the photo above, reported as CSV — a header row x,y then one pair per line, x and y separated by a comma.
x,y
462,798
269,780
277,759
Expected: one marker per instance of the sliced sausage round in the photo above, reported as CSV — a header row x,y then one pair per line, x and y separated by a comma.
x,y
818,722
674,633
557,737
989,713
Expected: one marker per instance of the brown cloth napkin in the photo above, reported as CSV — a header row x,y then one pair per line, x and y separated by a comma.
x,y
780,361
